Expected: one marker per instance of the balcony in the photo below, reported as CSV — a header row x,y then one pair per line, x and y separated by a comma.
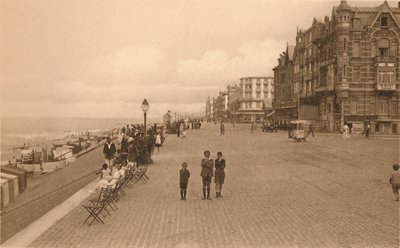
x,y
386,87
385,59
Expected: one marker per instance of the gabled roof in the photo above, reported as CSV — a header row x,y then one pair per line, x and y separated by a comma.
x,y
384,8
290,52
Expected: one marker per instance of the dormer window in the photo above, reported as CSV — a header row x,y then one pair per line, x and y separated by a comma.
x,y
384,21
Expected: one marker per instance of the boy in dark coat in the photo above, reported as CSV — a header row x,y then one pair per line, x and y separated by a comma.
x,y
207,165
184,175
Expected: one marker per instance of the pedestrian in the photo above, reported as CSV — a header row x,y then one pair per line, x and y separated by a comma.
x,y
310,130
252,127
222,128
184,175
207,165
109,151
346,134
158,141
219,174
395,180
367,130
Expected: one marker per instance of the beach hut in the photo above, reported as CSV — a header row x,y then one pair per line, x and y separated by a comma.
x,y
12,185
20,173
5,195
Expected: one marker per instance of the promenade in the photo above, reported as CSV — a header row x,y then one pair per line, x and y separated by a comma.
x,y
325,192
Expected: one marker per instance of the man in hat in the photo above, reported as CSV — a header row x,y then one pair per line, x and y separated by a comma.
x,y
109,151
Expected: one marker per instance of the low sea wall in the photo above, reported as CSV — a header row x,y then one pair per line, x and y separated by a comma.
x,y
49,191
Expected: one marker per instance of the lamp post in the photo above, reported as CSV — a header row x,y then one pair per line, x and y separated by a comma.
x,y
145,107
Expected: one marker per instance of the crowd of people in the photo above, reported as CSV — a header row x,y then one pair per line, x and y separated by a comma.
x,y
135,147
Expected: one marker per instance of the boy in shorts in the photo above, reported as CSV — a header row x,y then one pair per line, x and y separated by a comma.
x,y
184,175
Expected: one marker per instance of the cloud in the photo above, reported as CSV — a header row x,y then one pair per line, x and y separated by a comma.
x,y
133,65
115,84
217,67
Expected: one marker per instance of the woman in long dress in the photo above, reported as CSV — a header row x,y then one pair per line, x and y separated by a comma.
x,y
346,131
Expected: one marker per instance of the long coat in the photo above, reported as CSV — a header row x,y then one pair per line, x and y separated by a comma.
x,y
219,171
207,167
109,152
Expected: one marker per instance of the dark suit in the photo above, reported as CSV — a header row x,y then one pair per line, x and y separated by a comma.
x,y
206,174
109,152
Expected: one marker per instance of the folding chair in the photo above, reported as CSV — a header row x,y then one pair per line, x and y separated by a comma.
x,y
96,208
105,199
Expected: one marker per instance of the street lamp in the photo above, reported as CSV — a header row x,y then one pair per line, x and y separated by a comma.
x,y
145,107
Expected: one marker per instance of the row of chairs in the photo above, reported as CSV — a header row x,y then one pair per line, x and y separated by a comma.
x,y
106,202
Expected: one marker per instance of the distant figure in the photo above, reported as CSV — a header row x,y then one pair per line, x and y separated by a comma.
x,y
346,134
184,175
367,130
252,127
222,128
109,151
219,174
311,130
158,141
207,165
395,181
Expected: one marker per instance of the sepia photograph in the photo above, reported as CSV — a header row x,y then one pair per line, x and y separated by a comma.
x,y
200,123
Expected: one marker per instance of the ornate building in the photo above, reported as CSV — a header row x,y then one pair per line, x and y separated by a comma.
x,y
257,95
208,115
343,69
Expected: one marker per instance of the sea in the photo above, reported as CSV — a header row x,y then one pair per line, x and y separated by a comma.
x,y
17,131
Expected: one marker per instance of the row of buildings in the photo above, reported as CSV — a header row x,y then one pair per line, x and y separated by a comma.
x,y
342,69
248,101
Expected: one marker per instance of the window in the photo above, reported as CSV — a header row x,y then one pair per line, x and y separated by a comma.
x,y
353,107
382,108
383,47
258,95
377,127
258,104
384,21
383,52
344,44
344,70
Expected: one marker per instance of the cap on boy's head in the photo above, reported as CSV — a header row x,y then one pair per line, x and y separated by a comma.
x,y
396,167
219,153
104,166
207,151
184,164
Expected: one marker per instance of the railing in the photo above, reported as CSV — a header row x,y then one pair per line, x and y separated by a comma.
x,y
384,87
385,59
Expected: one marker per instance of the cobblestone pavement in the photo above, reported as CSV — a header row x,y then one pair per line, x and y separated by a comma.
x,y
325,192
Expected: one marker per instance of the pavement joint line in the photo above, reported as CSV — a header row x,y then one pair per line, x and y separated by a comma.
x,y
38,227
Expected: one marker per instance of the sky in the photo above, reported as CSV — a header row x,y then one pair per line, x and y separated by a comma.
x,y
101,58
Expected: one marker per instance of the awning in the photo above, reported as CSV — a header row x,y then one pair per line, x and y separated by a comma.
x,y
270,114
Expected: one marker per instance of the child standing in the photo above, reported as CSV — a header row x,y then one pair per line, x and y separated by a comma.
x,y
395,180
184,179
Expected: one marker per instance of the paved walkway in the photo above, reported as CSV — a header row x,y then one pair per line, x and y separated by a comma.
x,y
323,193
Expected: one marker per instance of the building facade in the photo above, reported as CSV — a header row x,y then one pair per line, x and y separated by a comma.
x,y
256,97
343,69
208,114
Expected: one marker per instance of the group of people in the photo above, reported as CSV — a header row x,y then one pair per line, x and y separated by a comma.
x,y
348,126
135,148
207,172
